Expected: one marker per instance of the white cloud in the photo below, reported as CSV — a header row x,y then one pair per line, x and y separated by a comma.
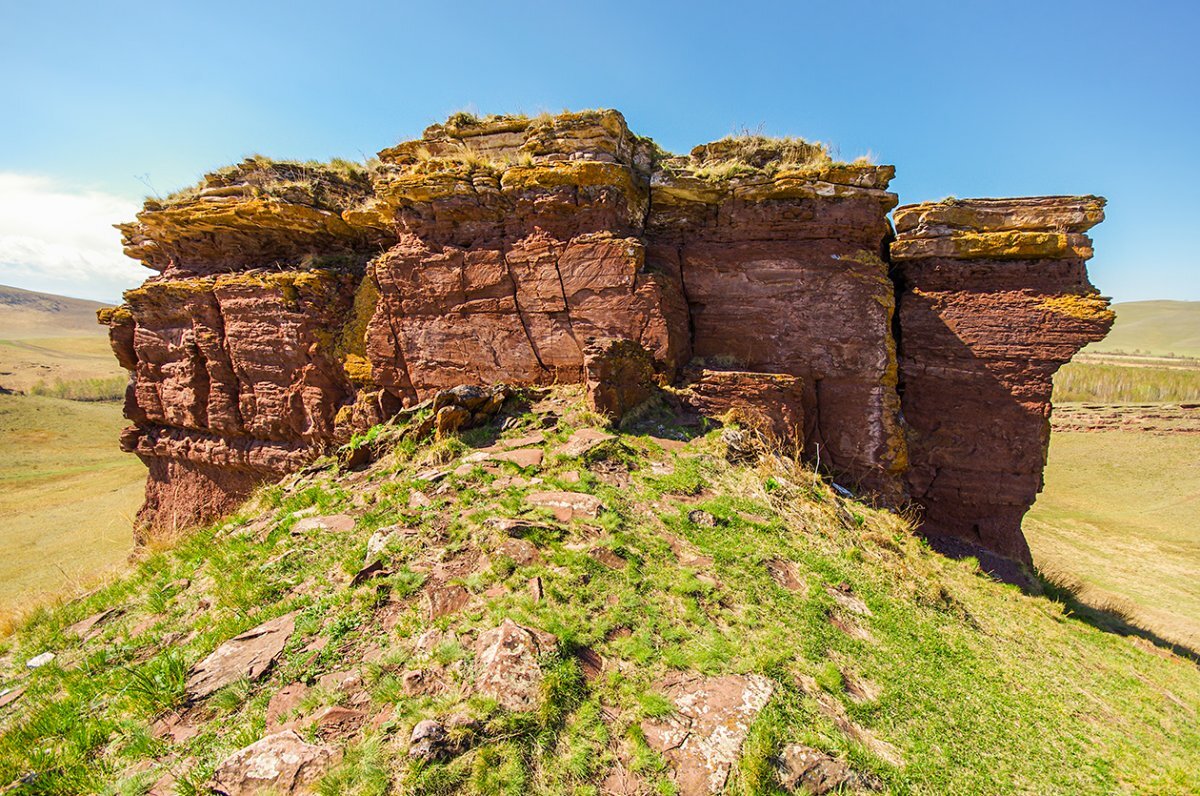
x,y
61,241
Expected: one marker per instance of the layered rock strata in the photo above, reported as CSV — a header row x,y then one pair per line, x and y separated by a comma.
x,y
994,298
298,303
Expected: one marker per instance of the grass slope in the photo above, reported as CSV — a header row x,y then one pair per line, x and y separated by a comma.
x,y
1159,328
67,494
1119,517
977,687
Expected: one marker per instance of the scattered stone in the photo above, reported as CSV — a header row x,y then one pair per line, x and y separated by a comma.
x,y
449,419
432,476
336,721
375,569
620,781
10,695
684,551
852,629
283,704
518,527
702,518
570,477
247,655
38,661
844,596
419,500
443,599
607,557
343,680
833,709
175,727
428,741
785,573
740,446
521,551
522,457
535,589
509,671
89,628
536,438
417,682
582,441
590,662
703,739
807,770
338,523
567,505
280,763
428,642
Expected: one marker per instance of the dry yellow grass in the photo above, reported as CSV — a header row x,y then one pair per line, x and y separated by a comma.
x,y
67,496
1117,522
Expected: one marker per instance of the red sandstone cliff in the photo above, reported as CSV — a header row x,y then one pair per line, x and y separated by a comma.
x,y
299,302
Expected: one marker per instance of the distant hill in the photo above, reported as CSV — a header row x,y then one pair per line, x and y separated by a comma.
x,y
50,340
26,313
1157,328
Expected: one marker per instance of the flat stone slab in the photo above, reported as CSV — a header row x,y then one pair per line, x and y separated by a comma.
x,y
248,655
338,523
703,739
522,457
584,440
567,505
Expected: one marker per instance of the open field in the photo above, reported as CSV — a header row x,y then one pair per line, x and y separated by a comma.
x,y
1119,379
67,494
50,340
1120,517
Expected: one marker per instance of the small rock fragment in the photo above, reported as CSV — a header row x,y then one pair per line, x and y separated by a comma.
x,y
509,671
38,661
567,505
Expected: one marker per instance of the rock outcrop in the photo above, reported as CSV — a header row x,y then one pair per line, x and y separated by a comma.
x,y
300,303
994,298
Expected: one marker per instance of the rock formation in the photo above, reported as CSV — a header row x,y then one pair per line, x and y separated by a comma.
x,y
299,303
994,298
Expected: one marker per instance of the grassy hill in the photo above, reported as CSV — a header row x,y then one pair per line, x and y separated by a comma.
x,y
67,493
1155,328
51,340
916,672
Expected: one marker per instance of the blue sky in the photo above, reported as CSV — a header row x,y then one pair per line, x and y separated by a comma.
x,y
966,98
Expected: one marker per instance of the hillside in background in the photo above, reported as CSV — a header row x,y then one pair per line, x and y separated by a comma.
x,y
67,492
550,609
1154,328
56,342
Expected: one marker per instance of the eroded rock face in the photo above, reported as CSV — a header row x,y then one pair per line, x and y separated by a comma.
x,y
300,303
995,298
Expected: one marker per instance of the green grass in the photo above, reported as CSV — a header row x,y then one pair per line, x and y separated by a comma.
x,y
67,496
96,389
982,689
1093,382
1117,521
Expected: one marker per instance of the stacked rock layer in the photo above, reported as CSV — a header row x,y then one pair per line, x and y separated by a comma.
x,y
298,303
994,298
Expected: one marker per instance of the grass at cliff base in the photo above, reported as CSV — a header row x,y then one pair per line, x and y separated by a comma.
x,y
1119,522
67,496
967,685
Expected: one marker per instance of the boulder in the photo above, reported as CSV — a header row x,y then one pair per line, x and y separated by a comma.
x,y
619,375
277,764
248,655
703,738
508,668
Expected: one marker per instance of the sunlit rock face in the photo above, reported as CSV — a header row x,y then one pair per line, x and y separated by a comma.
x,y
298,303
994,299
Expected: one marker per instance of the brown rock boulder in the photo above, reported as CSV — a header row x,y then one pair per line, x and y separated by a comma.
x,y
277,764
703,739
770,403
619,375
509,672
